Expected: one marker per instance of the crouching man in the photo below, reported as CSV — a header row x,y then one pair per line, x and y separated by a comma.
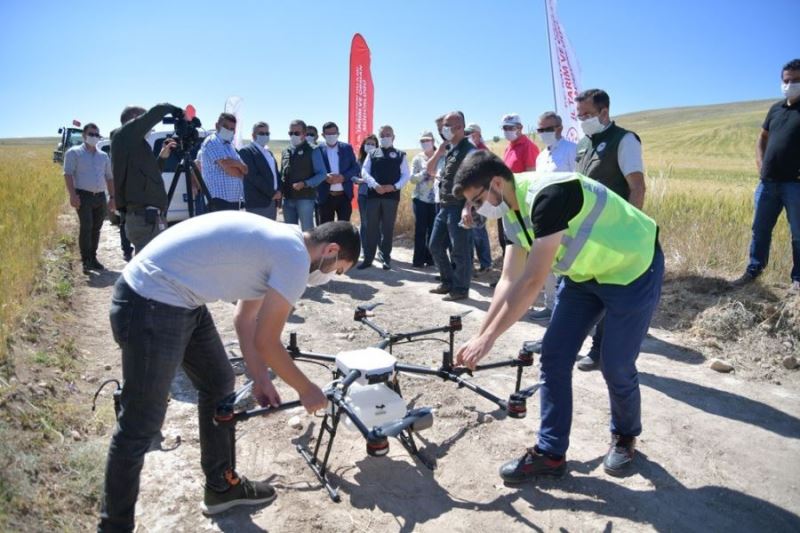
x,y
160,320
608,252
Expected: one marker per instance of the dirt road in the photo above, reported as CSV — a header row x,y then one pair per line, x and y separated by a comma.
x,y
717,454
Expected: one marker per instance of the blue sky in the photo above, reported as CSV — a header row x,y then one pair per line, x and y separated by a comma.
x,y
287,59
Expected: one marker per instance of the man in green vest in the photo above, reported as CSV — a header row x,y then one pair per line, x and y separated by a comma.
x,y
613,156
608,252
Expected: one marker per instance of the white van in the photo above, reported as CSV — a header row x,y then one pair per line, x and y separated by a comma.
x,y
178,209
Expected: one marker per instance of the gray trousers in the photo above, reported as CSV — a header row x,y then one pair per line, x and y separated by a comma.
x,y
381,216
269,212
139,231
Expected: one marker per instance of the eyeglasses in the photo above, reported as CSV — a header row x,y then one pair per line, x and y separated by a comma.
x,y
262,133
297,133
548,129
91,134
474,201
509,128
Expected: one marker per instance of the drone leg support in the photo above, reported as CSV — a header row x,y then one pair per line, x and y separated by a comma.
x,y
406,438
320,469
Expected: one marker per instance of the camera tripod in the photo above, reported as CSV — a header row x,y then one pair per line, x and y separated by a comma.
x,y
187,167
403,428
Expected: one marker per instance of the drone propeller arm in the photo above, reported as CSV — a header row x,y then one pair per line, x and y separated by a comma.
x,y
420,419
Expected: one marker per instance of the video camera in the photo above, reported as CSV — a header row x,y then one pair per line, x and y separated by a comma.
x,y
187,133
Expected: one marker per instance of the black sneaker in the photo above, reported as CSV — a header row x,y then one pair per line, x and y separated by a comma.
x,y
745,279
620,455
127,256
95,264
362,265
87,267
590,361
387,265
241,492
440,289
531,465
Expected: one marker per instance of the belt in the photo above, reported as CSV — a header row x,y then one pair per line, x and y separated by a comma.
x,y
90,192
336,193
141,212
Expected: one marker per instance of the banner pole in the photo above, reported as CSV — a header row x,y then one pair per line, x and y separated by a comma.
x,y
550,48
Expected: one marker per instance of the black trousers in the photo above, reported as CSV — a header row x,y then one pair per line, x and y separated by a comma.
x,y
91,214
338,206
381,215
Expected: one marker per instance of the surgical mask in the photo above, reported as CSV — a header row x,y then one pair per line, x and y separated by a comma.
x,y
548,138
791,90
426,146
447,133
473,142
296,140
591,126
262,140
318,277
510,135
331,139
225,134
493,212
92,141
369,148
311,139
386,142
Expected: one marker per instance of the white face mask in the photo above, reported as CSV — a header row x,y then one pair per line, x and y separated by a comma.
x,y
369,148
225,134
311,139
331,139
318,277
262,140
590,126
92,141
426,146
548,138
493,212
447,133
791,90
296,140
510,135
386,142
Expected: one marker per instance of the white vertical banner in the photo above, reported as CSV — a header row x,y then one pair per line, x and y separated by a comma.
x,y
233,106
566,74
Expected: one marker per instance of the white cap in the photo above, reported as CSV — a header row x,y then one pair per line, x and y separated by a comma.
x,y
426,135
472,128
512,119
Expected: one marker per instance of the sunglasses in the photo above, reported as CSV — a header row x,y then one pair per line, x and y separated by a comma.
x,y
297,133
543,130
93,135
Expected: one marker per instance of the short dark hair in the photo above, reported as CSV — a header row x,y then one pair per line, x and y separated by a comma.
x,y
478,169
300,123
341,232
794,64
599,98
230,117
260,124
329,125
314,128
130,112
89,126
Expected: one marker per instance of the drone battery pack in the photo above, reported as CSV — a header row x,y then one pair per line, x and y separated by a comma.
x,y
375,365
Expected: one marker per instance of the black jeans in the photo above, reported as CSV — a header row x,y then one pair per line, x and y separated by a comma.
x,y
338,206
124,243
424,215
155,338
91,214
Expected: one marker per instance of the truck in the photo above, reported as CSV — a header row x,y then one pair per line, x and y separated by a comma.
x,y
70,136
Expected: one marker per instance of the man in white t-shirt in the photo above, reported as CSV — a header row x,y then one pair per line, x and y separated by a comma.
x,y
160,320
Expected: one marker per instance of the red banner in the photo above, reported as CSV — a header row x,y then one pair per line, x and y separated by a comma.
x,y
362,97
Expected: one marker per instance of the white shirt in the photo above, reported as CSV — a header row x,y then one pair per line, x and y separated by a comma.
x,y
333,161
629,154
271,163
557,158
405,173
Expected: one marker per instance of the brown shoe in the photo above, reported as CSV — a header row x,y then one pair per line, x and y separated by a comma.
x,y
441,289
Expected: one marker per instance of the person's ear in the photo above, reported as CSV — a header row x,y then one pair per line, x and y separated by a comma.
x,y
330,249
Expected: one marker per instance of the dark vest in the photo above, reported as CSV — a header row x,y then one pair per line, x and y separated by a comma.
x,y
385,168
597,158
296,166
452,161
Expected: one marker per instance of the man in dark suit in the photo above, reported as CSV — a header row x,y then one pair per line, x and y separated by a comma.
x,y
262,183
335,194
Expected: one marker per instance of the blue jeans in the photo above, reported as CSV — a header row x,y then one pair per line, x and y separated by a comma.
x,y
482,247
155,339
424,215
770,199
628,310
455,270
299,210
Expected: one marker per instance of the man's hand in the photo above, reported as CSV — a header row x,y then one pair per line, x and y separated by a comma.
x,y
111,205
313,398
166,148
473,351
466,217
264,391
335,178
299,185
75,200
277,195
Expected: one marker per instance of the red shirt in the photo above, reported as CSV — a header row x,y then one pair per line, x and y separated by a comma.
x,y
520,154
